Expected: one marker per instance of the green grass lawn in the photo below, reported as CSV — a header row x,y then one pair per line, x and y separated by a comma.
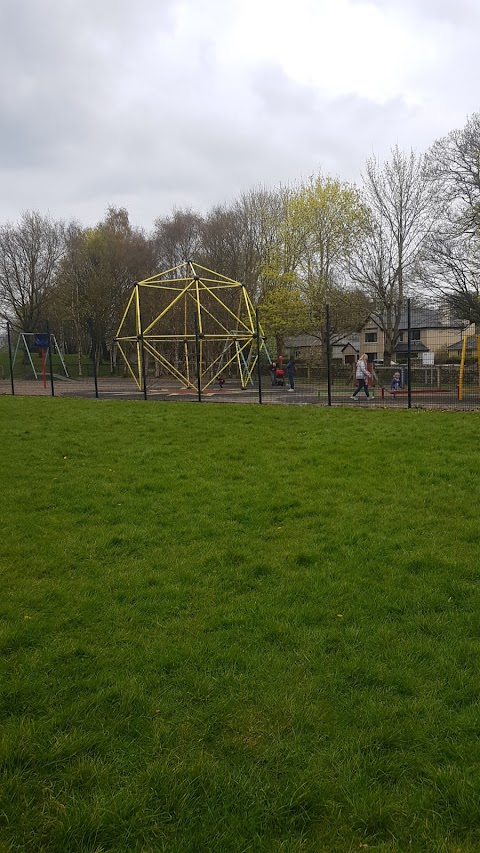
x,y
237,628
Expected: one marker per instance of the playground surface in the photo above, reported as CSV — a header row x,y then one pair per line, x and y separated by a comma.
x,y
304,394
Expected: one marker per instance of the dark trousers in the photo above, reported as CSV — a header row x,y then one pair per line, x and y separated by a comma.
x,y
290,375
361,384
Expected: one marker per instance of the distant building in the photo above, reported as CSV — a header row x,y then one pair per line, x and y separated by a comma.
x,y
455,350
432,330
309,347
303,347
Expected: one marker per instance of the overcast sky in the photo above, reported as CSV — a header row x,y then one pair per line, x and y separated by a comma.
x,y
161,104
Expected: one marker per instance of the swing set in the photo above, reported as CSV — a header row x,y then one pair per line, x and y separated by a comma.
x,y
42,341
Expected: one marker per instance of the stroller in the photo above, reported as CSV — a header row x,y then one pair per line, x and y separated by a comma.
x,y
280,376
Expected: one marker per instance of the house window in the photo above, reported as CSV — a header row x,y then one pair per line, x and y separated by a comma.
x,y
400,337
415,334
370,337
372,356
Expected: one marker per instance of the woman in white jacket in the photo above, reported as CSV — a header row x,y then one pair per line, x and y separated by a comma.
x,y
362,375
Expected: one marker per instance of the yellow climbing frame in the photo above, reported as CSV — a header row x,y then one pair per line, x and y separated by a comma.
x,y
189,307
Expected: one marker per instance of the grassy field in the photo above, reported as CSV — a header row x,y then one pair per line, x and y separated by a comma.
x,y
234,629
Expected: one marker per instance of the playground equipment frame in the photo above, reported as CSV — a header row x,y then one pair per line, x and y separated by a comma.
x,y
197,290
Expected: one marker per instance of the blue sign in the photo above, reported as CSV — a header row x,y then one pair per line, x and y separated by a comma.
x,y
41,341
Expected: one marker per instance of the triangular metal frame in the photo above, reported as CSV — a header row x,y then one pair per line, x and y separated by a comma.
x,y
22,337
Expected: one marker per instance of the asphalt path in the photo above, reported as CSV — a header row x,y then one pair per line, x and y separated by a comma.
x,y
304,394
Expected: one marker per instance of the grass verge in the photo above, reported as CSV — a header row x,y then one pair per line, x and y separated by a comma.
x,y
232,628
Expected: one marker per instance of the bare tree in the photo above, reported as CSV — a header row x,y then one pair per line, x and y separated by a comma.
x,y
450,264
451,270
403,204
30,253
176,239
272,238
222,236
98,271
454,162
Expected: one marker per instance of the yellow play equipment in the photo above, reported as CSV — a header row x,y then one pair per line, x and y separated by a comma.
x,y
193,322
470,359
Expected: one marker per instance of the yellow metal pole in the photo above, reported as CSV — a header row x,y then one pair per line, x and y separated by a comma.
x,y
199,313
129,367
219,274
162,285
239,309
126,311
200,324
185,341
250,308
166,272
187,362
478,360
139,331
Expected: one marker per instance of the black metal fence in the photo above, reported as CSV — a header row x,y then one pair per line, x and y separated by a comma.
x,y
434,362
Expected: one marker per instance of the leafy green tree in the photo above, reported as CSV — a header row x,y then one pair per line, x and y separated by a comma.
x,y
282,312
333,219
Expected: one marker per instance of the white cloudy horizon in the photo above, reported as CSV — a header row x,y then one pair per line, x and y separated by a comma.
x,y
172,104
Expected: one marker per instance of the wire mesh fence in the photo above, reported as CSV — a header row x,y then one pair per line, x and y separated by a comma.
x,y
431,360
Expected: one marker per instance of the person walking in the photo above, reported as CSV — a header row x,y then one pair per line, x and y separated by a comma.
x,y
273,372
362,375
291,373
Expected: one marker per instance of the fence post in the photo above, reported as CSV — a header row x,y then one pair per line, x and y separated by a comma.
x,y
197,356
329,360
258,357
95,378
142,345
409,354
50,360
10,357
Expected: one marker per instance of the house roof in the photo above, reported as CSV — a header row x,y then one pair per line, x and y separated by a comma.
x,y
344,339
415,346
303,341
339,339
423,318
471,344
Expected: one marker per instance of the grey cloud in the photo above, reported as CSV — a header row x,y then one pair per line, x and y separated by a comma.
x,y
103,104
458,13
60,60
